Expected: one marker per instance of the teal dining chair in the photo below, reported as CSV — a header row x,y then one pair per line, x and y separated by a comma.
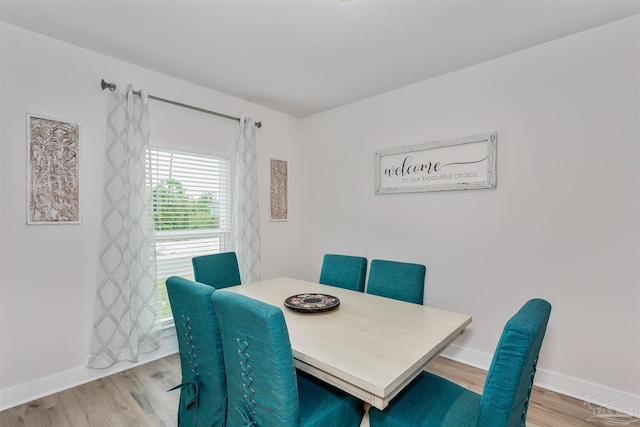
x,y
263,386
344,271
217,270
398,280
431,400
203,392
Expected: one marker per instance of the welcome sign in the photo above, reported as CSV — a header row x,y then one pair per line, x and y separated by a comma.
x,y
457,164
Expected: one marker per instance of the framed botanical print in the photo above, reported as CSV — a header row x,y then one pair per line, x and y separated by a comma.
x,y
279,196
53,171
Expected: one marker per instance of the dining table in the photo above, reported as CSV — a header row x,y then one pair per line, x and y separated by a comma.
x,y
367,345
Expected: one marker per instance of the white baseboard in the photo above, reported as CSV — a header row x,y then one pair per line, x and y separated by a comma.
x,y
27,392
573,387
579,389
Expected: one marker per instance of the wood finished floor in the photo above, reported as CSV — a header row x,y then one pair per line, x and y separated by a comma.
x,y
138,397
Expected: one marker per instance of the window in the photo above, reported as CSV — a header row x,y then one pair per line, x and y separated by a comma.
x,y
191,210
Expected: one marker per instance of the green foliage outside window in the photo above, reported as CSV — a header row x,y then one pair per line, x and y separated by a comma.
x,y
174,209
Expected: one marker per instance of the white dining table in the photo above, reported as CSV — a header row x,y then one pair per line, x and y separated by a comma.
x,y
370,346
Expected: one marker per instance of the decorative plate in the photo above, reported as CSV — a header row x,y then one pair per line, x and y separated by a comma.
x,y
312,303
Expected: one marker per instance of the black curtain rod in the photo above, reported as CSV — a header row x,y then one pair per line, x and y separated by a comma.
x,y
112,86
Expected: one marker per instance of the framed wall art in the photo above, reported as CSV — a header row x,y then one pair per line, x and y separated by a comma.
x,y
457,164
53,171
279,196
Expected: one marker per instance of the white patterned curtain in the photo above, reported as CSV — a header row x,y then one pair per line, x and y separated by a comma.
x,y
246,218
126,320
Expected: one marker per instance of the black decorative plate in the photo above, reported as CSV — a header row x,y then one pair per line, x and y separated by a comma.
x,y
312,303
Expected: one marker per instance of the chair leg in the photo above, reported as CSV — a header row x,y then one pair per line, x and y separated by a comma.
x,y
365,418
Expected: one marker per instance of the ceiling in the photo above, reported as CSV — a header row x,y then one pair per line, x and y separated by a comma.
x,y
306,56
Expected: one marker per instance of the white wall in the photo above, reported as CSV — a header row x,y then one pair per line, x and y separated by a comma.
x,y
562,224
49,272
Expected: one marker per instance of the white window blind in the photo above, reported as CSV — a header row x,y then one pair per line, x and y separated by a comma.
x,y
192,212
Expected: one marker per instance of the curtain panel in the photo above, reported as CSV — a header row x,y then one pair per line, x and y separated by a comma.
x,y
126,320
245,229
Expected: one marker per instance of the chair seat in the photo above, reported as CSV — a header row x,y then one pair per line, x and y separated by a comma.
x,y
318,400
431,401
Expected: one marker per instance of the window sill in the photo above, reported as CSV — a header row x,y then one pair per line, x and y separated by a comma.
x,y
167,324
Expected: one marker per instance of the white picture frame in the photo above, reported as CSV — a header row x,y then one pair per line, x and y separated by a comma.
x,y
467,163
53,171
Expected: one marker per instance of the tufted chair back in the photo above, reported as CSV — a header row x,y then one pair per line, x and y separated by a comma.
x,y
203,392
344,271
399,280
261,385
507,388
217,270
434,401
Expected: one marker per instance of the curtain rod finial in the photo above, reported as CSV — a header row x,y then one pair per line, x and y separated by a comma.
x,y
104,85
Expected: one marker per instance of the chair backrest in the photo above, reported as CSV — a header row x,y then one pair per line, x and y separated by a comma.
x,y
399,280
261,377
507,388
203,392
217,270
344,271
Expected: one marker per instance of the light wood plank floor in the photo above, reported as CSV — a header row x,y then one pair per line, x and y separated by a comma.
x,y
138,397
